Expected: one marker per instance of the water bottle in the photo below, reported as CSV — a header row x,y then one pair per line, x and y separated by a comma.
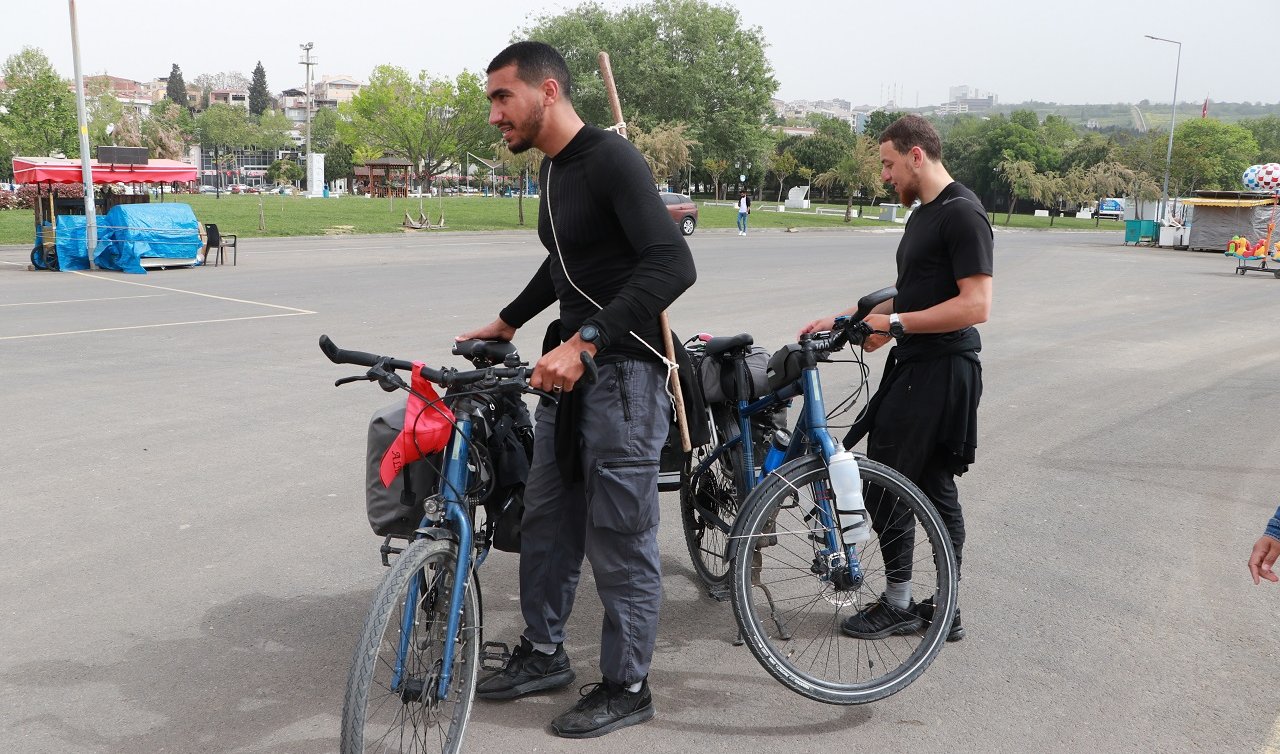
x,y
846,483
777,451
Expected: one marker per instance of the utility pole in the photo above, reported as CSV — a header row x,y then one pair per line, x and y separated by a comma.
x,y
86,171
307,61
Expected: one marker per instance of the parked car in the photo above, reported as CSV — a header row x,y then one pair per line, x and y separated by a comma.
x,y
683,211
207,189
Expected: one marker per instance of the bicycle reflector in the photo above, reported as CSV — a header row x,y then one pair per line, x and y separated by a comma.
x,y
427,426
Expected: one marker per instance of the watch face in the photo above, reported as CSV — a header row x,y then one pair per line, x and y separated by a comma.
x,y
589,333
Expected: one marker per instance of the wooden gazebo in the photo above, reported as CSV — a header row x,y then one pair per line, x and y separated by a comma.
x,y
379,176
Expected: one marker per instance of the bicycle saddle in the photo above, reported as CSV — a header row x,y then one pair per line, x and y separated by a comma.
x,y
487,351
726,343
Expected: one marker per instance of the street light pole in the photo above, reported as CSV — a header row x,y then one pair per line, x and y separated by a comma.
x,y
1168,157
306,151
86,172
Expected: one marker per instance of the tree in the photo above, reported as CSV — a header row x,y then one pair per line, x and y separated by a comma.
x,y
858,171
223,80
1209,154
168,131
259,97
665,148
176,89
324,129
686,61
424,119
1047,190
1107,179
272,131
878,121
102,109
523,164
37,110
284,171
1020,177
223,128
715,168
782,166
1266,131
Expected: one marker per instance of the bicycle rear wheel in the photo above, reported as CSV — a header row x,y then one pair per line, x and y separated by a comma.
x,y
709,501
789,609
383,714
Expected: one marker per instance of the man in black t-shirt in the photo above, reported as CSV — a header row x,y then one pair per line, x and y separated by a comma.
x,y
922,420
615,262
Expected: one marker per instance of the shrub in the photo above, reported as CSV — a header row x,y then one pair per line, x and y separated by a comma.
x,y
28,193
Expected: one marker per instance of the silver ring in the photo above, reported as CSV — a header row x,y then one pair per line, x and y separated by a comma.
x,y
557,388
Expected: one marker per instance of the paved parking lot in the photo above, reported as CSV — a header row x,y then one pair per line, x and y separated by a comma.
x,y
185,565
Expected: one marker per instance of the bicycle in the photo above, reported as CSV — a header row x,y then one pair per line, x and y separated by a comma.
x,y
790,562
413,673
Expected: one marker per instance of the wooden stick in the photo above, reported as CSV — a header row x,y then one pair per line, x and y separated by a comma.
x,y
668,343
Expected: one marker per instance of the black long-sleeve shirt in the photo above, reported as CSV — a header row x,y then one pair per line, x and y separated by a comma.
x,y
618,243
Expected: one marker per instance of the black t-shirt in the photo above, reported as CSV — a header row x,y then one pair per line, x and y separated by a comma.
x,y
947,239
620,246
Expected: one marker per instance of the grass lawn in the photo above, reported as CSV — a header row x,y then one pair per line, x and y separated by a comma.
x,y
298,216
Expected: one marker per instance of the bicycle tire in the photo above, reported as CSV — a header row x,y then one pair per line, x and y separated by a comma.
x,y
377,718
713,494
776,578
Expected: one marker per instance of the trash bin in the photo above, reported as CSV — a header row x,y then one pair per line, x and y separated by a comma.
x,y
889,212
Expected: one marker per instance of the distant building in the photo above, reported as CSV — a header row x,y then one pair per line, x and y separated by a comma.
x,y
131,94
966,99
335,89
234,97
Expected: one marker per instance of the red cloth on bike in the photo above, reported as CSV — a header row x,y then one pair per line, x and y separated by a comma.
x,y
427,427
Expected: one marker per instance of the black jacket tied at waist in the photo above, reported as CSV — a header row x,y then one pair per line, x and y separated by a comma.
x,y
926,404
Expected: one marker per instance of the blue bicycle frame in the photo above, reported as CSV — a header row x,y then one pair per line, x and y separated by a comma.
x,y
455,524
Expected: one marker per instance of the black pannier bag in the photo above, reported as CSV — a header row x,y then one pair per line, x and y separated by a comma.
x,y
695,411
717,379
396,509
510,444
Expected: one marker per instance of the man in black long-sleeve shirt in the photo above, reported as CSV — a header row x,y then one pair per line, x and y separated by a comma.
x,y
615,262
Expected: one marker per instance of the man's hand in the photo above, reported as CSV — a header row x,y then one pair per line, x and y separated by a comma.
x,y
879,323
561,368
1263,557
495,330
818,325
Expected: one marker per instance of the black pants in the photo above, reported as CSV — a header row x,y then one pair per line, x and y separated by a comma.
x,y
896,526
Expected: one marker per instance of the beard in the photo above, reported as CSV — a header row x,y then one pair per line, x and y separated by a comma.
x,y
523,136
908,192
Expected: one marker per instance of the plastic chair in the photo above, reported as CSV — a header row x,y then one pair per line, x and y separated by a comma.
x,y
219,243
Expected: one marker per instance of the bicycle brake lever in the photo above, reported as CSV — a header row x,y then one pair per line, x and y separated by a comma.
x,y
359,378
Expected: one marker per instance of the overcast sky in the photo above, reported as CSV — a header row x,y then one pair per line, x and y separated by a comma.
x,y
1062,52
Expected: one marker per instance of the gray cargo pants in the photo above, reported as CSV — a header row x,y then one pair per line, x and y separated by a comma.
x,y
611,516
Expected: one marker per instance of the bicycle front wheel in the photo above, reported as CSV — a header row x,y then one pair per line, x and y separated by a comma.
x,y
392,703
790,603
709,501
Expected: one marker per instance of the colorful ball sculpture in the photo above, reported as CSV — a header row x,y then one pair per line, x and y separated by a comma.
x,y
1268,176
1250,178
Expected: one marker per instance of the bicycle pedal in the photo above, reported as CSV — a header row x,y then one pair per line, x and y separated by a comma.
x,y
719,593
495,655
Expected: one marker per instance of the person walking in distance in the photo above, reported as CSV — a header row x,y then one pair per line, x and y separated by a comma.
x,y
922,419
615,262
744,209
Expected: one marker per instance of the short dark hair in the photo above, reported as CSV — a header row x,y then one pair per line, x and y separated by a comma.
x,y
535,62
913,131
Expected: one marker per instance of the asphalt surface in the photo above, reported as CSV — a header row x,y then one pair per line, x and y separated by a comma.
x,y
185,563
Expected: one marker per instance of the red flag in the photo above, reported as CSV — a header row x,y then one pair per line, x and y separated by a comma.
x,y
426,429
1204,111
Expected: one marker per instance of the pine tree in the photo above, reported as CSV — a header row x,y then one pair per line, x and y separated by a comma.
x,y
259,97
177,88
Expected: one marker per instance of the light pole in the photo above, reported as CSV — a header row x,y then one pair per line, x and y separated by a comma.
x,y
86,172
1168,157
306,152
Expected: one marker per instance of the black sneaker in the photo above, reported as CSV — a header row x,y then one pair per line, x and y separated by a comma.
x,y
882,619
925,611
526,672
603,708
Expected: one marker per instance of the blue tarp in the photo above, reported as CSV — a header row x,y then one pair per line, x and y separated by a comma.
x,y
132,231
70,243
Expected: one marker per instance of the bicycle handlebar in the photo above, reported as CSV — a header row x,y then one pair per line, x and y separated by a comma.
x,y
447,377
854,329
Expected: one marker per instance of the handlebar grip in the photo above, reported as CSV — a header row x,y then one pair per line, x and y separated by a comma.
x,y
341,356
592,372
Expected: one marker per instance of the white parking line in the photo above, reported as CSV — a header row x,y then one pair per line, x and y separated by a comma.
x,y
297,313
1273,745
196,293
84,300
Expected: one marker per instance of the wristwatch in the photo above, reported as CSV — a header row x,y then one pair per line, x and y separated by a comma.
x,y
590,334
895,326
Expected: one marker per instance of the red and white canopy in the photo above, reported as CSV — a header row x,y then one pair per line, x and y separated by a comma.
x,y
61,170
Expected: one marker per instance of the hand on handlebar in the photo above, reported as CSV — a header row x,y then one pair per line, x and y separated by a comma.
x,y
562,367
495,330
818,325
879,323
